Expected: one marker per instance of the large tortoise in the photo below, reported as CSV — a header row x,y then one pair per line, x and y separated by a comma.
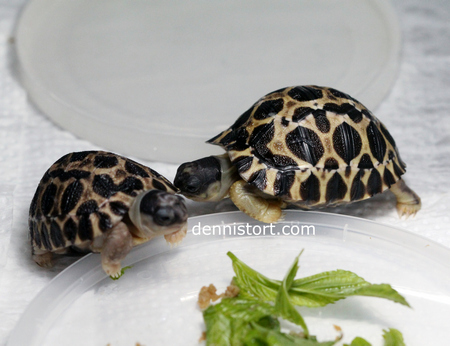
x,y
102,202
308,146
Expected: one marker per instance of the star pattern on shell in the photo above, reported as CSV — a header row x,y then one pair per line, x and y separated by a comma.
x,y
312,145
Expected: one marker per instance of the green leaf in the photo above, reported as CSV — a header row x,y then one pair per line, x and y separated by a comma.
x,y
245,310
358,342
229,321
280,339
393,337
260,335
122,271
218,327
382,291
253,283
257,335
283,305
328,287
312,291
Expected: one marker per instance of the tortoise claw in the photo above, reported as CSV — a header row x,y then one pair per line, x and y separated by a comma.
x,y
176,237
406,210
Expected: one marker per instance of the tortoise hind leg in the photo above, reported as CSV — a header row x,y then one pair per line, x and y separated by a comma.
x,y
43,258
408,202
257,207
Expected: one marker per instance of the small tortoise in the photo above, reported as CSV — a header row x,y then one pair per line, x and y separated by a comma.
x,y
307,146
102,202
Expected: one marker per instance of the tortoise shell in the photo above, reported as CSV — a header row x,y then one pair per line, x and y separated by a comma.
x,y
84,194
312,144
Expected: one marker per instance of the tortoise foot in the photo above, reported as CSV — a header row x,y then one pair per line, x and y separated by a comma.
x,y
44,260
408,202
176,237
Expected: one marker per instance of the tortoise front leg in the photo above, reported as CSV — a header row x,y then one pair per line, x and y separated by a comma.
x,y
117,245
257,207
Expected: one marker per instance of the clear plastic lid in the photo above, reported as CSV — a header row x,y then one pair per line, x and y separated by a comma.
x,y
156,79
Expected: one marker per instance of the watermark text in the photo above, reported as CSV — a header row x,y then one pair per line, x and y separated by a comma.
x,y
246,229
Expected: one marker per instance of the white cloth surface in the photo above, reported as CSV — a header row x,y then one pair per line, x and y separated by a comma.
x,y
416,112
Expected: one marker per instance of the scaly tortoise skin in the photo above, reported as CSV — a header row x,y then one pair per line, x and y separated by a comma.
x,y
309,146
102,202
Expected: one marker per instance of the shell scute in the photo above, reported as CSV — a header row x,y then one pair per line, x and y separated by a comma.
x,y
268,109
105,161
347,142
135,169
305,93
56,234
357,189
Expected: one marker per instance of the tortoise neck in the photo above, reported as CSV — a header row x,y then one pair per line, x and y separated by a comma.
x,y
228,175
134,217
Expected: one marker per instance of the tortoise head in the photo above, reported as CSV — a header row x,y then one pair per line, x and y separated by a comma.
x,y
206,179
156,212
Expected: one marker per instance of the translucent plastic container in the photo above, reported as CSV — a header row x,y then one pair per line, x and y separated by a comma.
x,y
154,303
